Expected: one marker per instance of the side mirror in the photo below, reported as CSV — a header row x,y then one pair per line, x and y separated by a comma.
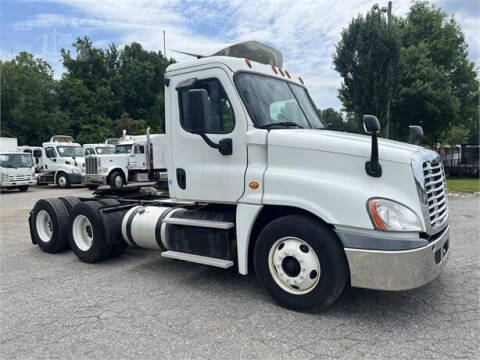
x,y
416,133
198,109
372,127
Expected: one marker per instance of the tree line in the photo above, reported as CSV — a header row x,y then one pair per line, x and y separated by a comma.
x,y
420,62
101,92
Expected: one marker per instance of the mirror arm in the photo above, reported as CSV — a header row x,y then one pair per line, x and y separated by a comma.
x,y
224,146
373,167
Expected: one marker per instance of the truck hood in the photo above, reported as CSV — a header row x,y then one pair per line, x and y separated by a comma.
x,y
16,171
342,143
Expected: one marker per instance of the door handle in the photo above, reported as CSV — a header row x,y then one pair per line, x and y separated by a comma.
x,y
181,178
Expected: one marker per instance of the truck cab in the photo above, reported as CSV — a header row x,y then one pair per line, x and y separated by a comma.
x,y
135,158
256,181
17,171
63,162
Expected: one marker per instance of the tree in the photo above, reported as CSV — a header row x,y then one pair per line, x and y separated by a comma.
x,y
29,100
332,119
433,83
364,55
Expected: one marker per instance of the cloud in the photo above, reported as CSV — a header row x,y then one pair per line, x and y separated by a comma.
x,y
305,31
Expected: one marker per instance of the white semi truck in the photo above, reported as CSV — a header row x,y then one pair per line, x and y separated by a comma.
x,y
59,161
255,181
136,158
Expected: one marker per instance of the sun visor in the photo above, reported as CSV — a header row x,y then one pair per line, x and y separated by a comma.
x,y
255,51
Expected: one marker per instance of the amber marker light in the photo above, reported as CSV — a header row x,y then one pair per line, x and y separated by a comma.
x,y
372,207
301,80
281,71
249,63
288,74
274,70
253,185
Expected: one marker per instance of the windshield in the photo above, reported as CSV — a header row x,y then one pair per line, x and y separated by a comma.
x,y
277,103
70,151
123,149
16,161
105,150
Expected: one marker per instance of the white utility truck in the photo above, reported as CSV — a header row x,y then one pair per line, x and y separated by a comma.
x,y
62,162
17,171
136,158
255,181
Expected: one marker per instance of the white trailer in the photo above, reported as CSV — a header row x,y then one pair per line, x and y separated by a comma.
x,y
256,181
8,144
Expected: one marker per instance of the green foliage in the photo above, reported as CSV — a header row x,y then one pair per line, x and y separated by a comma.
x,y
102,92
433,84
29,104
455,134
332,119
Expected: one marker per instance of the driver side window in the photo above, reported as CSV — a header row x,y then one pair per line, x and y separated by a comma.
x,y
222,119
50,152
89,151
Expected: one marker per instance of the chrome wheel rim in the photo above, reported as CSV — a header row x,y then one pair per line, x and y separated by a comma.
x,y
44,226
82,232
118,181
62,181
294,265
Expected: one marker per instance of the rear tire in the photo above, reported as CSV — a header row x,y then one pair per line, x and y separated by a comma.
x,y
23,188
116,180
62,181
70,202
301,263
86,236
50,225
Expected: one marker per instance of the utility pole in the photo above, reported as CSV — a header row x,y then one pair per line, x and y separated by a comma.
x,y
388,10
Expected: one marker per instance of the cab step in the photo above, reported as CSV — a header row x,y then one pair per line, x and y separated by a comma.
x,y
220,263
213,224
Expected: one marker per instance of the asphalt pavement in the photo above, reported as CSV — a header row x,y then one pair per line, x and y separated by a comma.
x,y
143,306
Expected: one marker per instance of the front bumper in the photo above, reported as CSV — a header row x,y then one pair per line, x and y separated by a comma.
x,y
17,183
399,269
95,179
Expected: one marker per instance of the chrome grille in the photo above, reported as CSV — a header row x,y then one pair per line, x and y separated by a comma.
x,y
91,165
19,177
436,192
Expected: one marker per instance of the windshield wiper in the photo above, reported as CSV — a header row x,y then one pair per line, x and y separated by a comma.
x,y
281,124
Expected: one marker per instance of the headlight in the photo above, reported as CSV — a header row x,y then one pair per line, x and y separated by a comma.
x,y
102,170
76,170
4,177
389,215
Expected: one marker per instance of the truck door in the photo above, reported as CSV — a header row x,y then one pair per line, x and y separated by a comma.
x,y
50,162
201,172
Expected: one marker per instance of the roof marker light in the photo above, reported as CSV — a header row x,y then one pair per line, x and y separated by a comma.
x,y
248,63
288,74
274,70
281,72
301,80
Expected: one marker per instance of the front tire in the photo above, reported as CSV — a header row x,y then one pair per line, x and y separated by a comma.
x,y
62,181
23,188
301,263
116,180
86,236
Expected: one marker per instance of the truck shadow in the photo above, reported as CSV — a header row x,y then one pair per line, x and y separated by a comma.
x,y
364,305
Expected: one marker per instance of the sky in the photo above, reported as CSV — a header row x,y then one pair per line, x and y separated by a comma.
x,y
305,31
